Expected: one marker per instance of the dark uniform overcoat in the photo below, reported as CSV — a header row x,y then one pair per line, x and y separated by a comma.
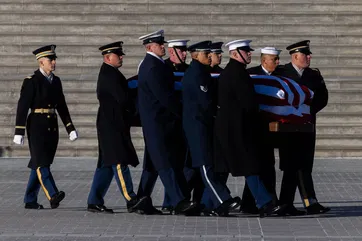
x,y
42,128
115,113
236,132
301,152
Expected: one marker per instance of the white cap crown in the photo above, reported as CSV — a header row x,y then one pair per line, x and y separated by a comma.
x,y
270,50
177,43
235,44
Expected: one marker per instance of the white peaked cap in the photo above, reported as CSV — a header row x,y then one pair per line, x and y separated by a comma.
x,y
155,37
238,43
177,42
270,50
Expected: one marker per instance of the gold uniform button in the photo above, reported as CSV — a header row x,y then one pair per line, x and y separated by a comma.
x,y
48,129
55,129
49,105
48,116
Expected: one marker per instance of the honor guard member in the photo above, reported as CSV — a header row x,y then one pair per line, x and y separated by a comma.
x,y
42,93
297,154
177,50
269,60
198,119
160,111
216,57
116,150
236,126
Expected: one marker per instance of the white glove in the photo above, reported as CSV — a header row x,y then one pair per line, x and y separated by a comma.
x,y
19,139
73,135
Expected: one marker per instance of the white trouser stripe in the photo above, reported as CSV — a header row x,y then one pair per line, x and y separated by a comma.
x,y
212,188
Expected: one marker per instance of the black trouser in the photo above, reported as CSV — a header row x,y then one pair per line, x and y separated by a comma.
x,y
297,158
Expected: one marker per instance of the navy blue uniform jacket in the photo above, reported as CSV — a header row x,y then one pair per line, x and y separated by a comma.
x,y
198,112
159,111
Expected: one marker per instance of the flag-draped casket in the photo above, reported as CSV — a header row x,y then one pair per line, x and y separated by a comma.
x,y
282,101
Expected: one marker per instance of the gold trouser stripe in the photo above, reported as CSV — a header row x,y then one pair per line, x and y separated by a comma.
x,y
68,124
123,184
20,127
302,189
42,184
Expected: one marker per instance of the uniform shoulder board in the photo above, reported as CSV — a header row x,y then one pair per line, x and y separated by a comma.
x,y
317,70
29,77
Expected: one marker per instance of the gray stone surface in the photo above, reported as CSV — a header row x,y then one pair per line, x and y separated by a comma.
x,y
338,184
79,27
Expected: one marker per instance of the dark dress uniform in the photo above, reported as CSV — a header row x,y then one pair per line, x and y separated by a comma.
x,y
267,160
180,67
116,150
198,119
297,151
160,113
42,96
191,179
215,69
237,129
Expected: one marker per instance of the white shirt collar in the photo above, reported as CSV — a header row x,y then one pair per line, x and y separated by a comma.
x,y
154,55
49,77
266,71
299,71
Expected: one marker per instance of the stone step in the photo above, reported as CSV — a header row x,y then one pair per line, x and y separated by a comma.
x,y
187,29
64,49
83,141
310,17
14,82
132,60
260,39
84,129
89,129
69,151
84,95
66,151
331,150
342,117
336,151
323,117
339,128
9,105
181,6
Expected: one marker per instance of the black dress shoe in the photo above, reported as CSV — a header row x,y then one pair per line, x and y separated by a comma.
x,y
270,209
317,208
209,213
56,199
228,206
167,210
137,203
185,207
98,209
291,210
147,208
33,205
